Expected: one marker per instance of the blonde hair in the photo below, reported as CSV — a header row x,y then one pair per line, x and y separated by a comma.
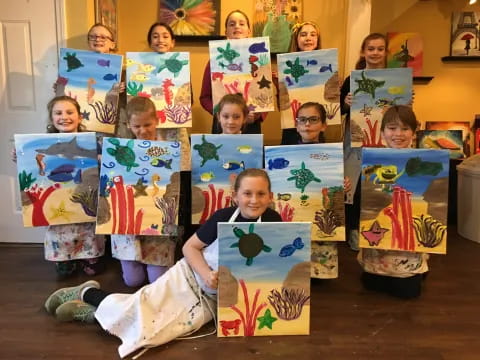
x,y
296,30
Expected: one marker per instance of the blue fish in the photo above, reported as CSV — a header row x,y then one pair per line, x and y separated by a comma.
x,y
64,173
278,163
110,77
256,48
289,81
312,62
289,249
103,62
326,68
157,162
233,165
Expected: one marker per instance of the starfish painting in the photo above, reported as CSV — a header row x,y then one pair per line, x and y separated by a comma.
x,y
140,188
266,320
375,234
85,115
264,83
368,85
367,110
60,211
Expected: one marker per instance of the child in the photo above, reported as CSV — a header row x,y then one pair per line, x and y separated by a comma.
x,y
398,273
232,113
182,300
143,256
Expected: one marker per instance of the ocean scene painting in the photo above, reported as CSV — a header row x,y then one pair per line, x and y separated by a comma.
x,y
263,279
308,76
405,49
242,66
450,140
216,162
139,187
404,200
374,91
58,178
307,185
93,79
165,79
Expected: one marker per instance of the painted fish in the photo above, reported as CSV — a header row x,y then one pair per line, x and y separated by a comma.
x,y
289,81
207,176
326,68
234,165
244,149
157,151
312,62
256,48
252,59
41,164
278,163
217,75
63,173
103,62
146,68
284,196
139,77
110,77
131,62
289,249
232,67
157,162
396,90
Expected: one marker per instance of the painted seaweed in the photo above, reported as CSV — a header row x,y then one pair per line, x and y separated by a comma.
x,y
288,303
429,231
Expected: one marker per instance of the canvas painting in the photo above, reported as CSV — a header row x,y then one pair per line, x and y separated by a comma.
x,y
405,50
465,40
139,187
242,66
307,183
216,162
93,79
450,140
263,279
404,200
165,79
308,76
58,177
374,91
454,125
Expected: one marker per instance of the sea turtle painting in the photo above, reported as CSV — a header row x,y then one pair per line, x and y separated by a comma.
x,y
302,177
207,151
172,64
72,61
296,69
124,155
249,245
228,53
368,85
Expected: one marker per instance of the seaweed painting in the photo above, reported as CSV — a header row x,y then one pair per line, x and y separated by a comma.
x,y
58,178
216,161
404,200
93,79
269,295
308,76
307,182
165,79
139,187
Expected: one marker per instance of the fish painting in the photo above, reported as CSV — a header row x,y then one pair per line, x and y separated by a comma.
x,y
110,77
146,68
289,249
312,62
244,149
289,81
256,48
130,62
139,77
207,176
41,164
69,150
63,173
284,196
374,234
278,163
234,165
396,90
232,67
157,162
103,62
326,68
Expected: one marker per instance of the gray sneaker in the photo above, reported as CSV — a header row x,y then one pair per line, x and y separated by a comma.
x,y
67,294
76,310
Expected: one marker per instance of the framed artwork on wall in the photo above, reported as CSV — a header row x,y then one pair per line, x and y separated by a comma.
x,y
106,14
465,40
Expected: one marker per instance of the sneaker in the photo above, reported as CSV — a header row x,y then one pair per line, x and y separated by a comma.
x,y
67,294
76,310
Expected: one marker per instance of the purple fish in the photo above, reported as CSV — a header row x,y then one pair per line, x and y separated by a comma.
x,y
110,77
326,68
289,81
232,67
63,173
256,48
103,62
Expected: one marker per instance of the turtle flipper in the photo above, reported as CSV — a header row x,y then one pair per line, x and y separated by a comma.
x,y
235,245
249,261
251,228
266,248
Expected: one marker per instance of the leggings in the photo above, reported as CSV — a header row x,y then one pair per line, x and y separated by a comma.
x,y
134,272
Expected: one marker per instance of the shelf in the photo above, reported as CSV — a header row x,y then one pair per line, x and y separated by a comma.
x,y
460,58
195,38
422,79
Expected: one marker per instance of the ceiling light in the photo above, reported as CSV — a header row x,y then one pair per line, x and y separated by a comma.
x,y
472,2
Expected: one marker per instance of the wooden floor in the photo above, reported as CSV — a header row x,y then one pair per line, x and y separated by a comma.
x,y
347,322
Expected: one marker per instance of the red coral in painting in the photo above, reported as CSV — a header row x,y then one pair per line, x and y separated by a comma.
x,y
38,196
213,202
123,209
402,220
370,138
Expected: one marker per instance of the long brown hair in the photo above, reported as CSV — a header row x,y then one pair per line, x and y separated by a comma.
x,y
51,129
361,62
296,30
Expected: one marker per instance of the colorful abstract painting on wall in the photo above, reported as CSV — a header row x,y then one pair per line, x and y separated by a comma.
x,y
404,200
450,140
308,76
374,91
93,79
454,125
165,79
405,50
465,34
263,279
242,67
216,162
58,177
139,187
307,183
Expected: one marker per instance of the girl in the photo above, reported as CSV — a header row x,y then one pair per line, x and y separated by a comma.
x,y
398,273
232,113
184,299
237,26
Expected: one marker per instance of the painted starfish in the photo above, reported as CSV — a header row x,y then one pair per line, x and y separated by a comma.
x,y
266,320
61,212
375,234
367,110
264,83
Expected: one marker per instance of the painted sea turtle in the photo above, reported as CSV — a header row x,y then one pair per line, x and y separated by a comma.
x,y
228,53
368,85
206,150
172,64
124,155
302,177
249,245
296,69
72,61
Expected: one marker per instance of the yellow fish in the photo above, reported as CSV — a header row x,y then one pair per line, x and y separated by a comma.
x,y
145,68
207,176
139,77
131,62
244,149
396,90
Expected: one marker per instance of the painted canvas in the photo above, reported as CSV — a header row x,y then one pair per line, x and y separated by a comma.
x,y
216,162
242,66
404,200
308,76
263,279
374,91
165,79
454,125
450,140
307,183
405,50
139,187
465,34
93,79
58,177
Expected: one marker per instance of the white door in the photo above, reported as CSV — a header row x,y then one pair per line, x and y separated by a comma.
x,y
28,68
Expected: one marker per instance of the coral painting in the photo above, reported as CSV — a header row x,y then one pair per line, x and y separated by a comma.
x,y
454,125
307,185
58,177
404,200
374,91
264,279
450,140
165,79
465,39
405,50
216,162
242,66
308,76
139,187
93,79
